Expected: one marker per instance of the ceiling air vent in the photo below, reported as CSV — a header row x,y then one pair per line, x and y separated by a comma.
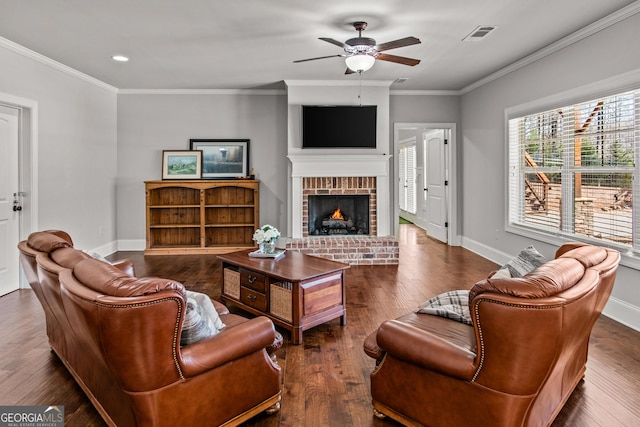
x,y
479,33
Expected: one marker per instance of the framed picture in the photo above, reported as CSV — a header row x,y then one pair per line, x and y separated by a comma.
x,y
181,164
223,158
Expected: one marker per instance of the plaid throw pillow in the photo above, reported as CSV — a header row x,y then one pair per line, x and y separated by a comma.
x,y
453,305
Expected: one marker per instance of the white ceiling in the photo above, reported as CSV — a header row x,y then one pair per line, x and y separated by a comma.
x,y
248,44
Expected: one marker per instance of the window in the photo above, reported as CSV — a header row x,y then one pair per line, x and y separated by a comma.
x,y
407,165
573,171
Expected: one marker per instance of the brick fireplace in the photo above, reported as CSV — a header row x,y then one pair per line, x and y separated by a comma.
x,y
343,175
346,170
339,186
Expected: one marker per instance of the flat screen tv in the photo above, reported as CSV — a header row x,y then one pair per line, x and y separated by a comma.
x,y
339,126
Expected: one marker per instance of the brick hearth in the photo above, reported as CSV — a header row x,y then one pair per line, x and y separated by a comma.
x,y
354,250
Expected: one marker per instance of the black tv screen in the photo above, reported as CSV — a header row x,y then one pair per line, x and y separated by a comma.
x,y
339,126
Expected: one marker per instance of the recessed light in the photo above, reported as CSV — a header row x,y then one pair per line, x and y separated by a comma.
x,y
120,58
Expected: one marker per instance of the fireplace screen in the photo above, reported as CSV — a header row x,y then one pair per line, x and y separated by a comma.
x,y
338,214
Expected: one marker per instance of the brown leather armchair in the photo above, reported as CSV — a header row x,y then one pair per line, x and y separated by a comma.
x,y
119,337
132,327
515,366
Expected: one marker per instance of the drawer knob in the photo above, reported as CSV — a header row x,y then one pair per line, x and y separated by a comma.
x,y
251,297
252,278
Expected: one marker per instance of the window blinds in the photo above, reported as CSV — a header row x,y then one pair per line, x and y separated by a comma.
x,y
574,170
407,175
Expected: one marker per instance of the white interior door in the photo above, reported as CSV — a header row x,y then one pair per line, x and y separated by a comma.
x,y
9,219
436,189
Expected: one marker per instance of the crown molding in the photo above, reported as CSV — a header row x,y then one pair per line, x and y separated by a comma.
x,y
28,53
589,30
425,92
202,92
326,83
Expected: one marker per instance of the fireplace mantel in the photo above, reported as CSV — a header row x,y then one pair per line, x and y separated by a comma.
x,y
340,165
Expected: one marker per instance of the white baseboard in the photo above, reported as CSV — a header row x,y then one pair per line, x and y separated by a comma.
x,y
106,249
485,251
623,312
120,245
456,241
132,245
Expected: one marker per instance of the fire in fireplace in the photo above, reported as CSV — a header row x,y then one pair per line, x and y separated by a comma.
x,y
338,214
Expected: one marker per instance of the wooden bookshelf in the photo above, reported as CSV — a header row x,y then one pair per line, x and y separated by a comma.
x,y
201,216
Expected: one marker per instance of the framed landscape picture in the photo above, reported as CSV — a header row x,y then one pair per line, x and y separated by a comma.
x,y
223,158
181,164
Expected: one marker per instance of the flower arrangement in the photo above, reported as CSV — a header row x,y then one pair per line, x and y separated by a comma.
x,y
266,234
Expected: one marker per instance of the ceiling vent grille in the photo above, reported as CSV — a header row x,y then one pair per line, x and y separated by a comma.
x,y
479,33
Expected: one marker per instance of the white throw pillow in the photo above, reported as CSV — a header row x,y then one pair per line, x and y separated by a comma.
x,y
201,319
503,273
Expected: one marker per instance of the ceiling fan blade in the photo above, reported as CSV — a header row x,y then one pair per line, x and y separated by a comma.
x,y
407,41
398,59
319,57
349,71
332,41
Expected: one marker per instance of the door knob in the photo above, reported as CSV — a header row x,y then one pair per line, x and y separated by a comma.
x,y
17,207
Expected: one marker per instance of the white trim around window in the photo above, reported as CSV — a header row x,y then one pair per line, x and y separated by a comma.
x,y
579,147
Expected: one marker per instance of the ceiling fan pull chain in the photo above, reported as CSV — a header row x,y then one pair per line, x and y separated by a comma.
x,y
360,87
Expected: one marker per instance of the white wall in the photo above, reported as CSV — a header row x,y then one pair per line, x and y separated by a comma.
x,y
424,108
76,151
150,123
483,173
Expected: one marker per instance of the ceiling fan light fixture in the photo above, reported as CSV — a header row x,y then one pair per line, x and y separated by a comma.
x,y
360,62
361,53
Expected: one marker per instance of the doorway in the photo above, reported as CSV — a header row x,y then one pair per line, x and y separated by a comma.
x,y
18,184
424,173
409,178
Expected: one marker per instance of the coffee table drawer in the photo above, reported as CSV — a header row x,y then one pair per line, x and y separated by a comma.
x,y
253,299
251,279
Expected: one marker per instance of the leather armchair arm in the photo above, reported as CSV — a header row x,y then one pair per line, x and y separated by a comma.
x,y
238,341
411,344
125,265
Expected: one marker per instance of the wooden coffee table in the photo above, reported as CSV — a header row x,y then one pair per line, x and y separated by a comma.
x,y
296,291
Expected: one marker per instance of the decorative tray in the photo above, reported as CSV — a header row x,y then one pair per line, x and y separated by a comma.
x,y
259,254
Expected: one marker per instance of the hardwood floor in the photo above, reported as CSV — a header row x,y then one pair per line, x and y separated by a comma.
x,y
326,380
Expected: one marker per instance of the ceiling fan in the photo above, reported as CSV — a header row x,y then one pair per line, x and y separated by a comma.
x,y
361,52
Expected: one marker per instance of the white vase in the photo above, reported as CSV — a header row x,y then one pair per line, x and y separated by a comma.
x,y
268,247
